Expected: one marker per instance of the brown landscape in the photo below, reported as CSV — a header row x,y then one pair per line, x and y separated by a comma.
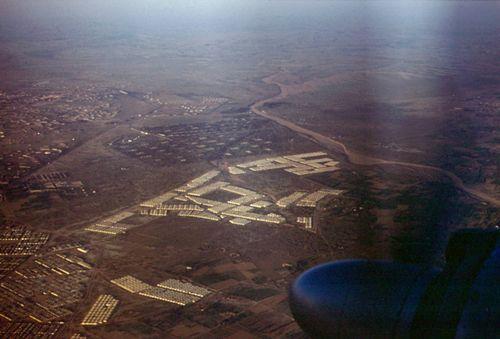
x,y
168,170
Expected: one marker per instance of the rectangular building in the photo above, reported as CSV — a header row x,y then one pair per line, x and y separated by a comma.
x,y
131,284
100,311
184,287
170,296
311,200
290,199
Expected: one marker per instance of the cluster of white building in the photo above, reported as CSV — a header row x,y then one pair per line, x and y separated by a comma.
x,y
111,225
235,170
290,199
164,210
303,199
108,229
299,164
198,192
239,221
130,283
170,296
189,200
271,218
100,311
200,215
171,290
184,287
242,209
199,181
200,107
157,201
312,199
306,221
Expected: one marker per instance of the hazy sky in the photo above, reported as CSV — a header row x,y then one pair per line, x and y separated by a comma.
x,y
93,34
257,15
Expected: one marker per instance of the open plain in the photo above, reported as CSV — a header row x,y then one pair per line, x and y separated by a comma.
x,y
166,171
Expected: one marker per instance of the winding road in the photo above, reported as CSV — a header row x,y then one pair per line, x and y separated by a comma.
x,y
355,157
